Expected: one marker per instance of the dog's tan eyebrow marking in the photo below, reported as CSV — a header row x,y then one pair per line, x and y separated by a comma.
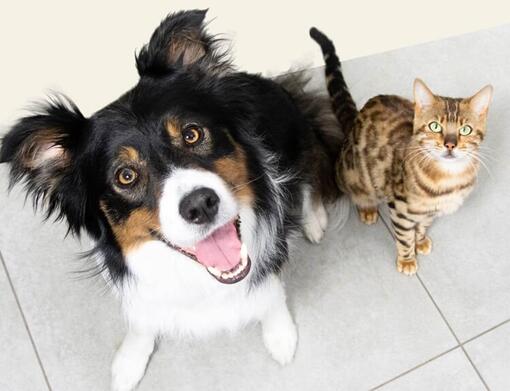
x,y
129,154
173,128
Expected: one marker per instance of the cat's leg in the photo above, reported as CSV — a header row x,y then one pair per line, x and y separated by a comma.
x,y
423,242
350,180
131,359
405,236
315,217
367,208
368,215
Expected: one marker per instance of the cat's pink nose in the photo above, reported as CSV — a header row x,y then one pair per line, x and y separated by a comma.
x,y
450,146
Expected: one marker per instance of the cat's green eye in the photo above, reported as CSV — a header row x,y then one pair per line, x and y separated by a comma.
x,y
465,130
435,127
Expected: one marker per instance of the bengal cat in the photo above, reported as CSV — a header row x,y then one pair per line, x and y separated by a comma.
x,y
420,158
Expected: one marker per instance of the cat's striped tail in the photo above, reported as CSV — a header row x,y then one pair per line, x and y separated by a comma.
x,y
341,100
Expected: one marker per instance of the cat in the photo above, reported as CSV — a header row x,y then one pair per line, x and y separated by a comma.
x,y
421,158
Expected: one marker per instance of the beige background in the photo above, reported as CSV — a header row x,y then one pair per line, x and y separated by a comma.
x,y
86,49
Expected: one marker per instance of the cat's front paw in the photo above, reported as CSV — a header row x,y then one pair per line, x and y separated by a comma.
x,y
368,216
407,266
425,246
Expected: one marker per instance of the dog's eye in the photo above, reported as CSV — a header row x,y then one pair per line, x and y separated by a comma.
x,y
126,176
192,134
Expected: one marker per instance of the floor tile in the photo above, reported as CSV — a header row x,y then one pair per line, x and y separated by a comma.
x,y
75,323
449,372
19,369
491,355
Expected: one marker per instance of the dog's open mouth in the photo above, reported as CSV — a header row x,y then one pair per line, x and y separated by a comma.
x,y
222,253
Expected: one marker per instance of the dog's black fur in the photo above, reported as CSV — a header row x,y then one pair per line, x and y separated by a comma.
x,y
183,75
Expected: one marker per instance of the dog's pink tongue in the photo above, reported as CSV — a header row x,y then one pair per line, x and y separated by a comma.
x,y
222,249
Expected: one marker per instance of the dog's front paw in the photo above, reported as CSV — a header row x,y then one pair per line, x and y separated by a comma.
x,y
281,340
322,216
127,371
130,361
313,230
315,220
408,267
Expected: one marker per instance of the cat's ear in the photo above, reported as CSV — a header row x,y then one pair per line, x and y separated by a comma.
x,y
480,101
423,97
180,41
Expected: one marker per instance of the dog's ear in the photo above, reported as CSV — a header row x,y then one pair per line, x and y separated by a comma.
x,y
181,41
41,150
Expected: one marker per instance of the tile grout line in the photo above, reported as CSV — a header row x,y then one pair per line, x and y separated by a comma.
x,y
453,333
486,331
25,323
459,343
413,368
430,297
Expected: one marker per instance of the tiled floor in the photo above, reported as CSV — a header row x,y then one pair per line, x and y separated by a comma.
x,y
362,325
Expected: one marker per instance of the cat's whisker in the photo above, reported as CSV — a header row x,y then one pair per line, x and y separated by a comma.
x,y
477,158
413,155
480,155
415,152
426,159
487,157
486,147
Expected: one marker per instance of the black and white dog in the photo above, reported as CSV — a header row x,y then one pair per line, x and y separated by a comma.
x,y
190,184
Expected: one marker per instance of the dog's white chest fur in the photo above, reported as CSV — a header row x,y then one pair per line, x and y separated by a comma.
x,y
172,294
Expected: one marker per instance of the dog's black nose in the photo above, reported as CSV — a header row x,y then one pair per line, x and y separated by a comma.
x,y
200,206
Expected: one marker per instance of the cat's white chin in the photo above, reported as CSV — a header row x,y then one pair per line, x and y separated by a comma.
x,y
453,164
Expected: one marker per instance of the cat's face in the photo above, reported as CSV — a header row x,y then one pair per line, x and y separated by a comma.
x,y
450,130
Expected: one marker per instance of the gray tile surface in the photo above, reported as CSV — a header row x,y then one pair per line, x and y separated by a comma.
x,y
75,325
491,355
19,369
361,323
446,373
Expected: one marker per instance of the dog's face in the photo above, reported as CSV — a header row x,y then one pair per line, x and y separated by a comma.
x,y
164,162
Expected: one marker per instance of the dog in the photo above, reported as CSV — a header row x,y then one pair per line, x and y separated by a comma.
x,y
190,184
